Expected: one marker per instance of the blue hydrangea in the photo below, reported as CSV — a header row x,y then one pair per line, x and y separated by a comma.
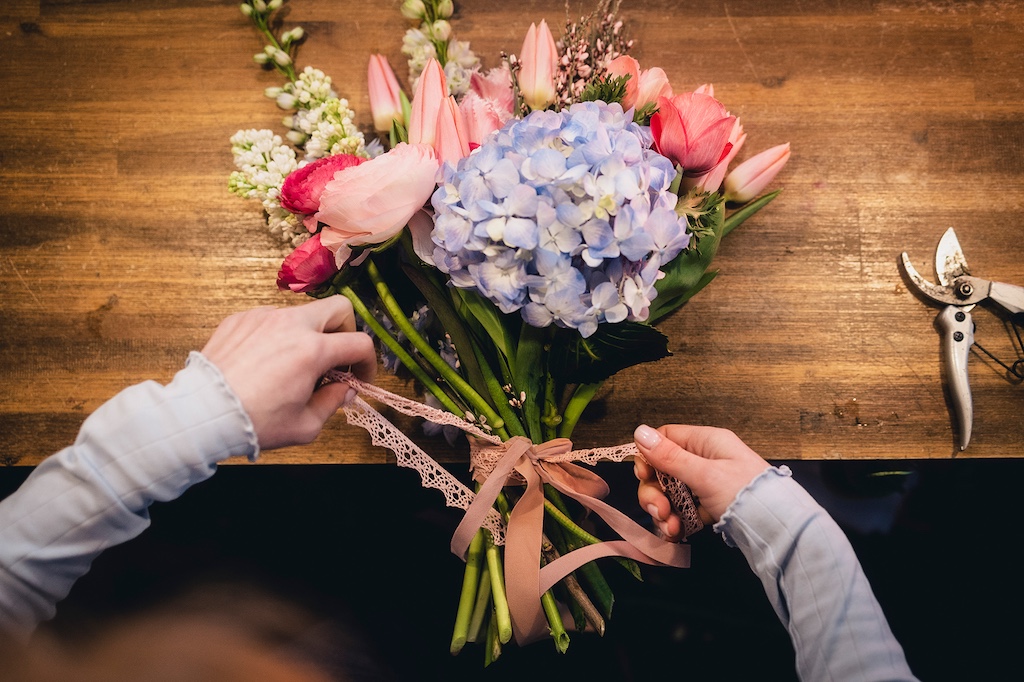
x,y
564,216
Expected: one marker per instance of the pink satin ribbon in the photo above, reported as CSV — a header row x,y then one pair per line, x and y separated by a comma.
x,y
525,580
520,461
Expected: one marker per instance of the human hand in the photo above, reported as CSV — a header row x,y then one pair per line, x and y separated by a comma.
x,y
714,463
273,359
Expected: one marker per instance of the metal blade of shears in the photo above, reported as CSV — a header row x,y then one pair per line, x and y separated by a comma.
x,y
950,262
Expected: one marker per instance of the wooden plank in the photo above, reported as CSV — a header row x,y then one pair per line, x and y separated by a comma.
x,y
120,248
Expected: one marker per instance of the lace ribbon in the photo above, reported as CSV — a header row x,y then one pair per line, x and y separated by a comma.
x,y
496,464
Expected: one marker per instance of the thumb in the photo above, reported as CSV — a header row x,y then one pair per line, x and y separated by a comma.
x,y
667,456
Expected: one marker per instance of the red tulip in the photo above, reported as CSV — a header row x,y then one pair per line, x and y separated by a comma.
x,y
692,130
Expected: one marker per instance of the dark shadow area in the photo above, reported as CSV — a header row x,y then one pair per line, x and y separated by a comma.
x,y
365,550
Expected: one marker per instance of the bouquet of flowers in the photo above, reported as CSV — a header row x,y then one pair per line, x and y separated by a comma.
x,y
510,236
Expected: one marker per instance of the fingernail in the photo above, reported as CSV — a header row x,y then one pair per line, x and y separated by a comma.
x,y
646,436
636,472
652,509
350,396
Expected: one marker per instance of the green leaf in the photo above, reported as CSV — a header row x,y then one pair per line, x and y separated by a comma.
x,y
684,275
613,347
529,373
736,218
469,302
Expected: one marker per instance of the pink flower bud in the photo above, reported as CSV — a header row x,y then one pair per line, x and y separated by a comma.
x,y
385,103
538,61
750,177
431,91
451,141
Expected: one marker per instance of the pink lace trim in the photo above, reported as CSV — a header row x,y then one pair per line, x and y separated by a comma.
x,y
485,454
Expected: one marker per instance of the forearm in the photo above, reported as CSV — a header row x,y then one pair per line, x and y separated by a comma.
x,y
814,581
149,443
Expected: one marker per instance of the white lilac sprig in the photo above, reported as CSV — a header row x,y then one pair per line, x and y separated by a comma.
x,y
566,217
432,39
279,52
263,161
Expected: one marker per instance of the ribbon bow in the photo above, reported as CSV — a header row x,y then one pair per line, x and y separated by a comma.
x,y
526,580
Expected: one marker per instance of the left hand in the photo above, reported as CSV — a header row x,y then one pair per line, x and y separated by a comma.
x,y
273,359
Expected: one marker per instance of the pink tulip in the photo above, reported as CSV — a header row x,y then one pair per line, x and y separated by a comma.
x,y
712,180
481,117
692,130
372,202
451,141
307,267
750,177
431,91
643,87
385,101
495,87
538,61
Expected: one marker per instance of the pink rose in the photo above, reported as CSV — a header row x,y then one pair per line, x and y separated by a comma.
x,y
372,202
301,190
307,267
692,129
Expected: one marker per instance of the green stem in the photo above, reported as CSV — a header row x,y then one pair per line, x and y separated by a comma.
x,y
470,583
446,371
736,218
558,632
403,355
482,606
581,397
497,573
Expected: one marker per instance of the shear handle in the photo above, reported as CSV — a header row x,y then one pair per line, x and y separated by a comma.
x,y
1008,296
957,338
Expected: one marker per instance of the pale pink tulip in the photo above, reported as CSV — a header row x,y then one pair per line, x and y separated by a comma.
x,y
431,91
307,267
712,180
451,142
692,130
750,177
385,100
372,202
538,61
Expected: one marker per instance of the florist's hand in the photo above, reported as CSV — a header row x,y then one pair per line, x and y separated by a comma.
x,y
714,463
273,359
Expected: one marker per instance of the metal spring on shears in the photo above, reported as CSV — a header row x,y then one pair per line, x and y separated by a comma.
x,y
1017,368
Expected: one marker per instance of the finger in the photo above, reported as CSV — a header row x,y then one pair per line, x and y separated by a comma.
x,y
353,350
653,500
665,455
328,399
331,314
642,470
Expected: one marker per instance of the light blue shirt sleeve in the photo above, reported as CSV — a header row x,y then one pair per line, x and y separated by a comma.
x,y
814,581
147,444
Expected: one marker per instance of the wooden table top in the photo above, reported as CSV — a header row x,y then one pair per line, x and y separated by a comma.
x,y
121,247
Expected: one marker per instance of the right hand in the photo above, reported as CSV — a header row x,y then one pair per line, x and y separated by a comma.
x,y
714,463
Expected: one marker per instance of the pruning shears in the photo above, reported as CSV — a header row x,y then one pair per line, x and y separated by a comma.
x,y
959,292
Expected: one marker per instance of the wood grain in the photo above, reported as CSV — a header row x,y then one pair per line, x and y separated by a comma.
x,y
121,249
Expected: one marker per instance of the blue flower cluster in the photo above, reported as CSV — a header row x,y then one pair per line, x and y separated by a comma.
x,y
565,216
